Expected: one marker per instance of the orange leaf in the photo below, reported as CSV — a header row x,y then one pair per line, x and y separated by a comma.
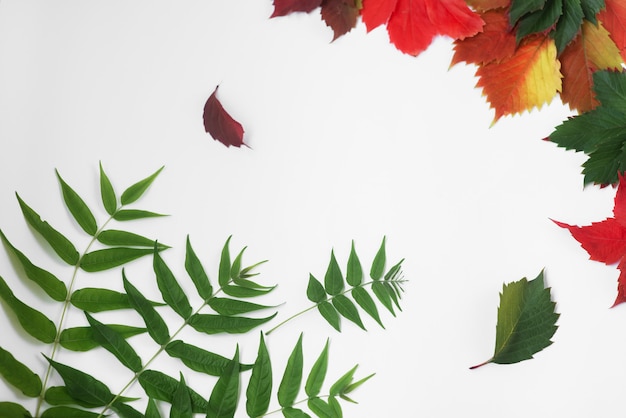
x,y
592,50
613,17
485,5
526,80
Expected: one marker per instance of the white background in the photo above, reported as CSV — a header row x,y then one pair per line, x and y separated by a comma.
x,y
348,140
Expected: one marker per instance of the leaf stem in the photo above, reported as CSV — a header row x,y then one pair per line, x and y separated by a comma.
x,y
481,364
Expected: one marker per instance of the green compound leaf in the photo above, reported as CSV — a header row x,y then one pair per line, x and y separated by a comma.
x,y
78,208
50,284
181,401
157,328
61,245
134,214
259,391
83,339
292,377
81,386
330,314
199,359
32,321
216,324
109,258
115,343
196,272
118,238
316,377
160,386
378,265
227,306
68,412
92,300
135,191
225,394
346,308
10,409
107,193
333,279
315,290
526,321
171,291
19,375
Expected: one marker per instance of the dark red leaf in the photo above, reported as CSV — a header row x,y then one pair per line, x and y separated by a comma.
x,y
340,15
220,125
284,7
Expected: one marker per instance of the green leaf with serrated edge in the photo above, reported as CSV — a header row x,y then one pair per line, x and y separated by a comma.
x,y
343,382
346,308
235,269
114,237
32,321
171,291
157,328
197,273
160,386
82,386
292,377
216,324
294,413
521,7
354,273
109,258
568,25
245,292
321,408
115,343
591,9
82,338
181,401
50,284
61,245
152,410
526,321
365,301
316,377
92,300
78,208
259,391
13,410
107,193
330,314
125,411
199,359
68,412
378,265
540,20
333,279
123,215
135,191
225,394
382,293
19,375
227,306
315,290
224,268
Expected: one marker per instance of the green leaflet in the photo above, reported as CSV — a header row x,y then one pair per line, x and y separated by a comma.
x,y
152,410
522,7
591,9
333,279
330,314
225,394
539,20
162,387
526,321
82,338
107,193
292,377
98,300
19,375
115,237
50,284
171,291
57,395
157,328
196,272
200,360
378,265
78,208
569,24
115,343
294,413
236,266
224,269
321,408
316,377
343,382
134,192
109,258
354,273
315,290
259,391
181,401
245,292
382,293
123,215
215,324
32,321
68,412
347,309
61,245
13,410
227,306
366,302
125,411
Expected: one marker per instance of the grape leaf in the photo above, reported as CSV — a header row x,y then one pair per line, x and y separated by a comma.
x,y
613,17
340,15
220,125
526,321
284,7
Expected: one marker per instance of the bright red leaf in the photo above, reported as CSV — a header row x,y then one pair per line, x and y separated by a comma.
x,y
220,125
613,17
284,7
605,241
340,15
377,12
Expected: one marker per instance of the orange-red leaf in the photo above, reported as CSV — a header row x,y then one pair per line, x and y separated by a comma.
x,y
495,43
592,50
377,12
220,125
488,4
526,80
284,7
613,17
340,15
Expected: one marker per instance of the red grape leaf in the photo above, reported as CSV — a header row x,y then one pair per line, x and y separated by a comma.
x,y
613,17
377,12
340,15
605,241
220,125
284,7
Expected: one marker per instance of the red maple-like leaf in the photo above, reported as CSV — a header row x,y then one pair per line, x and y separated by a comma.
x,y
613,17
220,125
284,7
605,241
377,12
340,15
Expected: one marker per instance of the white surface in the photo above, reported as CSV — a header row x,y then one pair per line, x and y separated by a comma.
x,y
349,140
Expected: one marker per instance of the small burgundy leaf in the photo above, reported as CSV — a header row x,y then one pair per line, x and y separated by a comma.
x,y
285,7
220,125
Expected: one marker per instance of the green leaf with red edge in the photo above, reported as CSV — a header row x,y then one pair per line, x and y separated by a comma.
x,y
340,15
285,7
613,17
219,124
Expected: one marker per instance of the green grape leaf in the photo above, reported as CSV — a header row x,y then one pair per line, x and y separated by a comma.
x,y
196,272
200,360
591,9
333,279
19,375
259,391
92,300
378,265
171,291
292,377
330,314
134,192
157,328
32,321
124,215
107,193
365,301
160,386
109,258
216,324
68,412
521,7
224,268
50,284
315,290
227,306
354,273
225,394
539,20
115,343
10,409
316,377
82,338
61,245
294,413
118,238
78,208
526,321
346,308
152,410
181,401
569,24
